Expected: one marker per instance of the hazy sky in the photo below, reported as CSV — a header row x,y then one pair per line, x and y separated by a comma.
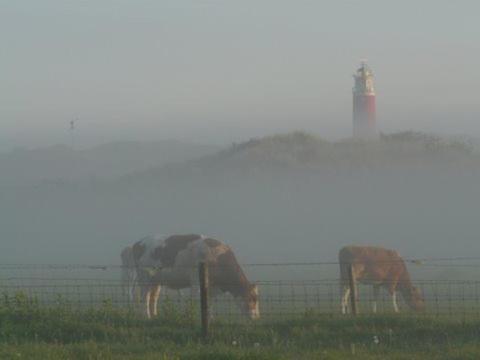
x,y
218,71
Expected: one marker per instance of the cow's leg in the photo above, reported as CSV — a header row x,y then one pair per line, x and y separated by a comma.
x,y
394,300
125,281
376,291
213,292
345,296
147,296
393,292
132,288
155,295
138,287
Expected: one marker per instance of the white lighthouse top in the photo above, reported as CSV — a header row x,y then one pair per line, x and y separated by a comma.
x,y
363,80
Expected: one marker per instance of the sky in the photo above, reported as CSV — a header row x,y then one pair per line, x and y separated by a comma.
x,y
222,71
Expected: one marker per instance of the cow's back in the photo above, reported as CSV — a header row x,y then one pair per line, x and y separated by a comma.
x,y
144,250
202,249
354,253
370,262
173,246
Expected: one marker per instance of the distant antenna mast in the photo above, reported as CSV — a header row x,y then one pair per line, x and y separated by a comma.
x,y
72,133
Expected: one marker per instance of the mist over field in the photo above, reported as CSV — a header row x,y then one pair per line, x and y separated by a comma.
x,y
284,198
23,166
110,79
285,130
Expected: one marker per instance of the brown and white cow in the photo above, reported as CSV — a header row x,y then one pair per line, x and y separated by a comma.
x,y
173,262
381,268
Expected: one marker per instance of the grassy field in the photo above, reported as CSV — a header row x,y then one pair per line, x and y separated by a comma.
x,y
32,331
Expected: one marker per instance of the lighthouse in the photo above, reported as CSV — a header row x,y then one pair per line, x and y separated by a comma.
x,y
364,117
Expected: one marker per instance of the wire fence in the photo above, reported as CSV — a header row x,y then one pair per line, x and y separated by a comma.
x,y
285,290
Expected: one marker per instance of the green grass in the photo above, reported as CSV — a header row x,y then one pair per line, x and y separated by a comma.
x,y
31,331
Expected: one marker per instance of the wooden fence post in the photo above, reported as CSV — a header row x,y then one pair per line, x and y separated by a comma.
x,y
353,290
203,274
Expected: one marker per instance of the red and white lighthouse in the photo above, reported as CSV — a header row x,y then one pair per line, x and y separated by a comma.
x,y
364,112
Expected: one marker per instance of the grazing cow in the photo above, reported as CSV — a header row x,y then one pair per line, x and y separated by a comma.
x,y
173,262
378,267
128,272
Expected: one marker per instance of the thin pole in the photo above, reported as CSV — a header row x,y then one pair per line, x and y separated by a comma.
x,y
203,277
72,133
353,290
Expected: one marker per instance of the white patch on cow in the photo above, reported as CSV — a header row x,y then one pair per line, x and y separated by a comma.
x,y
346,294
147,260
376,293
256,312
394,300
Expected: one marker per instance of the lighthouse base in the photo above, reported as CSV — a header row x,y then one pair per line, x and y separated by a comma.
x,y
364,117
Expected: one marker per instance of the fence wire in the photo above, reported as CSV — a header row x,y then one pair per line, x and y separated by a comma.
x,y
285,290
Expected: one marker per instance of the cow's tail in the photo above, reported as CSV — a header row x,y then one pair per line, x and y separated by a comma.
x,y
126,256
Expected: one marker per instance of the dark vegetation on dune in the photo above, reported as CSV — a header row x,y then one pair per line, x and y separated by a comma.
x,y
303,152
273,199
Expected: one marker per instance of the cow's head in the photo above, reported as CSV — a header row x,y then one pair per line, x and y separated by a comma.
x,y
414,299
250,303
